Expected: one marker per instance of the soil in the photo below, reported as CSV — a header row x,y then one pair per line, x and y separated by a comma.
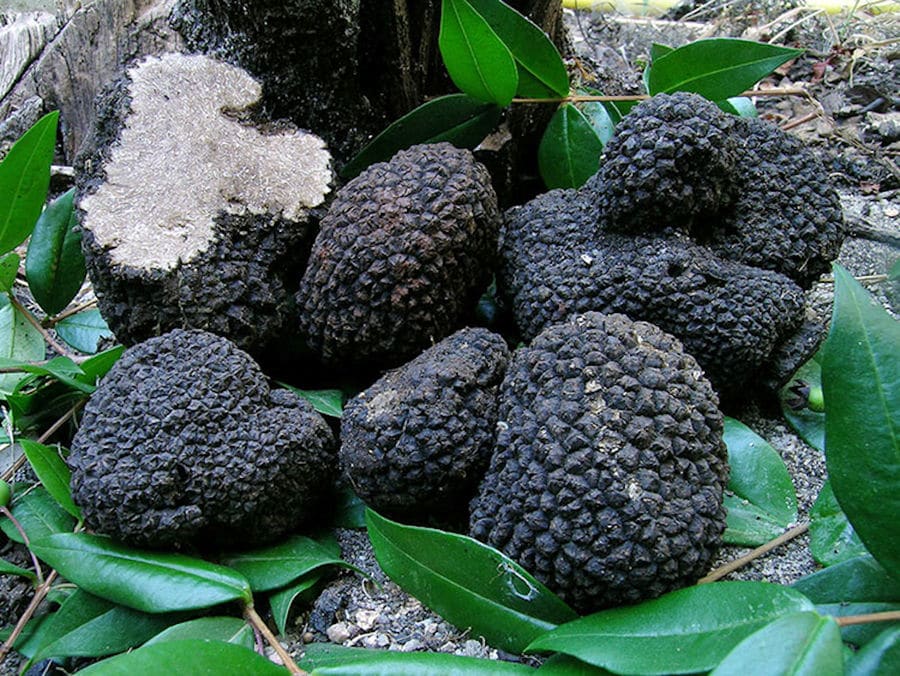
x,y
851,117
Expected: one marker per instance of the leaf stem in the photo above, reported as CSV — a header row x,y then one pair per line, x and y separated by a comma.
x,y
39,594
15,522
885,616
74,310
584,98
8,474
257,623
49,339
742,561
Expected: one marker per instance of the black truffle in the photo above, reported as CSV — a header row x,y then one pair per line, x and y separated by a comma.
x,y
609,469
671,161
555,261
404,251
184,443
419,439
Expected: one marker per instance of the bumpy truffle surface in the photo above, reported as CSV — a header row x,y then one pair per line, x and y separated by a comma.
x,y
183,442
671,161
555,262
404,250
609,469
420,438
787,216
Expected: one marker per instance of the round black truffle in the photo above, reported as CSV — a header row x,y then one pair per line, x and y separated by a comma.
x,y
404,250
609,470
671,161
184,443
420,438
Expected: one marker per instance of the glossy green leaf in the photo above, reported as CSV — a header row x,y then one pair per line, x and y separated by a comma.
x,y
569,152
54,265
740,106
476,58
9,268
455,118
7,568
601,120
880,657
322,659
809,424
859,579
88,626
192,657
658,50
685,631
894,271
831,537
764,502
350,510
20,341
798,644
860,634
467,583
717,68
154,582
226,629
281,601
100,364
273,567
326,402
39,515
566,665
62,369
84,330
542,72
53,472
24,179
861,383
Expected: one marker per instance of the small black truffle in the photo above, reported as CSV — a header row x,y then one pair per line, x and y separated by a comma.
x,y
609,470
420,438
184,443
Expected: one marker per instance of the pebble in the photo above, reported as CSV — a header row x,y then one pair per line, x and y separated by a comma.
x,y
339,632
365,619
412,645
376,640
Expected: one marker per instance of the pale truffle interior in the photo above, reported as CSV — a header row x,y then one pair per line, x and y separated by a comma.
x,y
180,160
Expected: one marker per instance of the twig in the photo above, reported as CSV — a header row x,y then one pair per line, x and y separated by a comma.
x,y
257,623
800,120
885,616
15,522
50,340
39,594
65,314
742,561
862,279
8,474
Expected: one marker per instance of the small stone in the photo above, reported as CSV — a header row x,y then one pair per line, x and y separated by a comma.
x,y
365,619
308,637
376,640
471,648
412,645
339,632
429,628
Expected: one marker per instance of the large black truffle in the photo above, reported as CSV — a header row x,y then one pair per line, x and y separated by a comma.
x,y
555,261
420,438
404,251
184,443
608,474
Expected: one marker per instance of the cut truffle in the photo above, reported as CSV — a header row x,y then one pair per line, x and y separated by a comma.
x,y
184,443
420,438
556,262
404,251
609,470
193,217
671,163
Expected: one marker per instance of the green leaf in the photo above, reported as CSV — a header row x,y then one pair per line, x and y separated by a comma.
x,y
323,659
87,626
542,73
569,153
467,583
859,634
54,265
24,179
9,268
801,643
326,402
39,515
186,658
764,503
225,629
62,369
685,631
100,364
894,272
861,383
350,511
84,330
273,567
658,50
455,118
281,601
565,665
7,568
53,472
477,60
20,341
739,105
880,657
602,122
718,68
859,579
153,582
831,537
809,424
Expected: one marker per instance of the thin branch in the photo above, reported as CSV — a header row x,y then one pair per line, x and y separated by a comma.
x,y
39,595
809,117
886,616
742,561
15,522
10,472
257,623
65,314
50,340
